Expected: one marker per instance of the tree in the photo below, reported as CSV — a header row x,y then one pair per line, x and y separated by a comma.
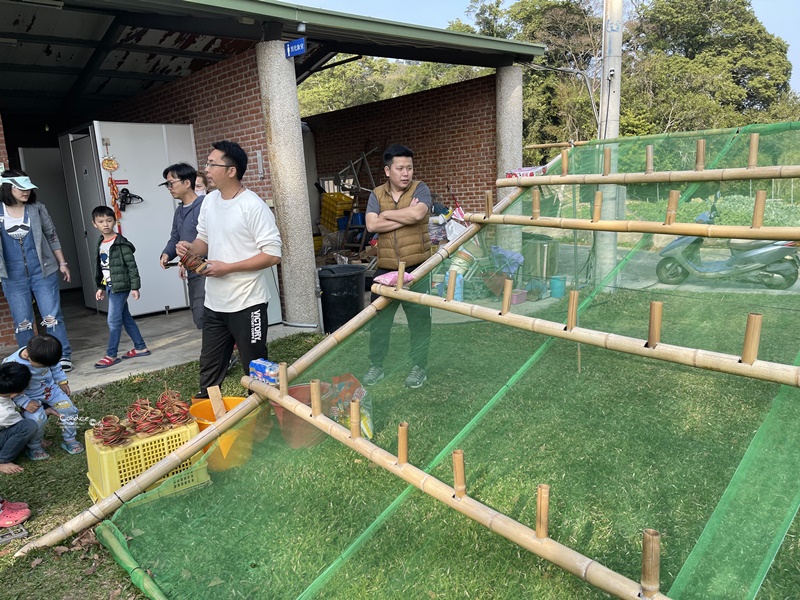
x,y
342,86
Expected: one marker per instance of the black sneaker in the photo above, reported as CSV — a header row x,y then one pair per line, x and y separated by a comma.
x,y
416,378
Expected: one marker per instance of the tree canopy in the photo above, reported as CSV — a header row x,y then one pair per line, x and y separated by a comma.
x,y
687,64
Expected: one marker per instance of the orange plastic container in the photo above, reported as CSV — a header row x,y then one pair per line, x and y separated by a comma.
x,y
295,431
235,446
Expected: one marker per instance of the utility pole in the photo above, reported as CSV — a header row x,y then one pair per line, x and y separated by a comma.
x,y
613,196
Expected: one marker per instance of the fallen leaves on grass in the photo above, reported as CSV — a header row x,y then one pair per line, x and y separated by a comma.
x,y
36,563
59,550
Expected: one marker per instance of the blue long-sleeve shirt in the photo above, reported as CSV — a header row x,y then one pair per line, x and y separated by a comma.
x,y
184,228
43,380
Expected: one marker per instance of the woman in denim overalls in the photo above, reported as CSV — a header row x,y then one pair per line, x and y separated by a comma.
x,y
30,262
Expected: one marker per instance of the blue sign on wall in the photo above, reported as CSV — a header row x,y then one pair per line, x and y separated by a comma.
x,y
295,47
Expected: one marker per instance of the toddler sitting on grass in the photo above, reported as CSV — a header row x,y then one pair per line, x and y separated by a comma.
x,y
47,394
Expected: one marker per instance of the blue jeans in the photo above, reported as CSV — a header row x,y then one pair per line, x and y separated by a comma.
x,y
58,400
19,292
14,438
118,317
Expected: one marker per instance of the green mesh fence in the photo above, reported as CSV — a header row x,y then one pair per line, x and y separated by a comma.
x,y
625,442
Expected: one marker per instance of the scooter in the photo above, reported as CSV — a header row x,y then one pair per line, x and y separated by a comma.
x,y
773,264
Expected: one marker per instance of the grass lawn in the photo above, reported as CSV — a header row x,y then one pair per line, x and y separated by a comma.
x,y
625,444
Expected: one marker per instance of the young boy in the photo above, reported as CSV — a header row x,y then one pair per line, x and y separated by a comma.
x,y
15,432
46,394
116,274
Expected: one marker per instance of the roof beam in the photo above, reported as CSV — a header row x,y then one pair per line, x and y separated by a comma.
x,y
214,27
75,71
47,40
454,57
193,54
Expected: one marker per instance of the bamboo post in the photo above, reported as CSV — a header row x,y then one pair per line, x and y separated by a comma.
x,y
598,206
758,209
451,284
752,156
651,562
283,378
572,310
536,196
752,338
565,162
606,161
489,203
542,511
672,206
508,290
401,275
460,482
654,333
355,418
316,398
217,405
648,159
402,443
700,159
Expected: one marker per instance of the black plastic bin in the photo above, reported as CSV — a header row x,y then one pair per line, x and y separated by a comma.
x,y
342,294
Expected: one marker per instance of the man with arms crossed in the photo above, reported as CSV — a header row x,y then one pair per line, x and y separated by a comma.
x,y
398,212
237,232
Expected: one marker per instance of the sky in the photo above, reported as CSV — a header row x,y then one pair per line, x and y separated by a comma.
x,y
780,17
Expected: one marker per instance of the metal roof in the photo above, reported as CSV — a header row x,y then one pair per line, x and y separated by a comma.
x,y
76,57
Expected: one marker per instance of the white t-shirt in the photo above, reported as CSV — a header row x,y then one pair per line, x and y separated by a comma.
x,y
105,251
17,227
8,412
237,229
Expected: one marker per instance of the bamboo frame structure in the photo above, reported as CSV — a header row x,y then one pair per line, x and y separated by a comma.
x,y
758,209
542,511
597,209
697,229
732,174
648,159
508,290
700,159
402,443
355,418
651,562
691,357
752,338
654,329
672,207
606,161
459,478
572,310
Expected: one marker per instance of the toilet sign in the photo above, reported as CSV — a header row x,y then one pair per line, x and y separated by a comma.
x,y
295,47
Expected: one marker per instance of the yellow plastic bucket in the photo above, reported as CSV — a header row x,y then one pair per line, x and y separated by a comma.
x,y
235,446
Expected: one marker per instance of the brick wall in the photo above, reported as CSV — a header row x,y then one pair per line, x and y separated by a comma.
x,y
6,323
222,101
451,130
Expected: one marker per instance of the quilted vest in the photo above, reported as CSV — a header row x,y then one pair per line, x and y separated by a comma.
x,y
410,244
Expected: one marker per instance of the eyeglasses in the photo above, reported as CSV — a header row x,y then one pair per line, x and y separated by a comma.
x,y
168,184
210,164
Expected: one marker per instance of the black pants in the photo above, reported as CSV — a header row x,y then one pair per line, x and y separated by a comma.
x,y
221,331
419,327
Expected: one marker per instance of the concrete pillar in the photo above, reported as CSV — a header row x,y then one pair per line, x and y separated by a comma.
x,y
509,144
276,78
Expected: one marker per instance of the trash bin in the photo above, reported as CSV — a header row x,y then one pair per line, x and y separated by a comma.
x,y
541,256
342,294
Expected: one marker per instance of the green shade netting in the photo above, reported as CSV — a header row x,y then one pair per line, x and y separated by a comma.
x,y
625,442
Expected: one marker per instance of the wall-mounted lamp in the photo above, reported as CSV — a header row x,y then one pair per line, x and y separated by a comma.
x,y
301,27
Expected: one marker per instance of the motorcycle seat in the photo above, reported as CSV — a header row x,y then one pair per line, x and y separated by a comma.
x,y
738,244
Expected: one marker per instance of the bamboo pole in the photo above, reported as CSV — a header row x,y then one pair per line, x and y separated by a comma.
x,y
316,398
597,211
508,290
654,332
752,155
692,357
562,556
606,161
648,159
542,511
735,174
555,145
572,310
355,418
460,481
564,163
651,562
489,203
672,206
283,378
402,443
752,338
696,229
451,284
758,209
140,483
537,203
700,160
401,274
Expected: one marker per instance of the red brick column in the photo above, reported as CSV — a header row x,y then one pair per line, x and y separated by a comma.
x,y
6,323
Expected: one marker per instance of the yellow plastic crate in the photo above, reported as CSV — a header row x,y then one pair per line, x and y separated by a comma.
x,y
112,467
